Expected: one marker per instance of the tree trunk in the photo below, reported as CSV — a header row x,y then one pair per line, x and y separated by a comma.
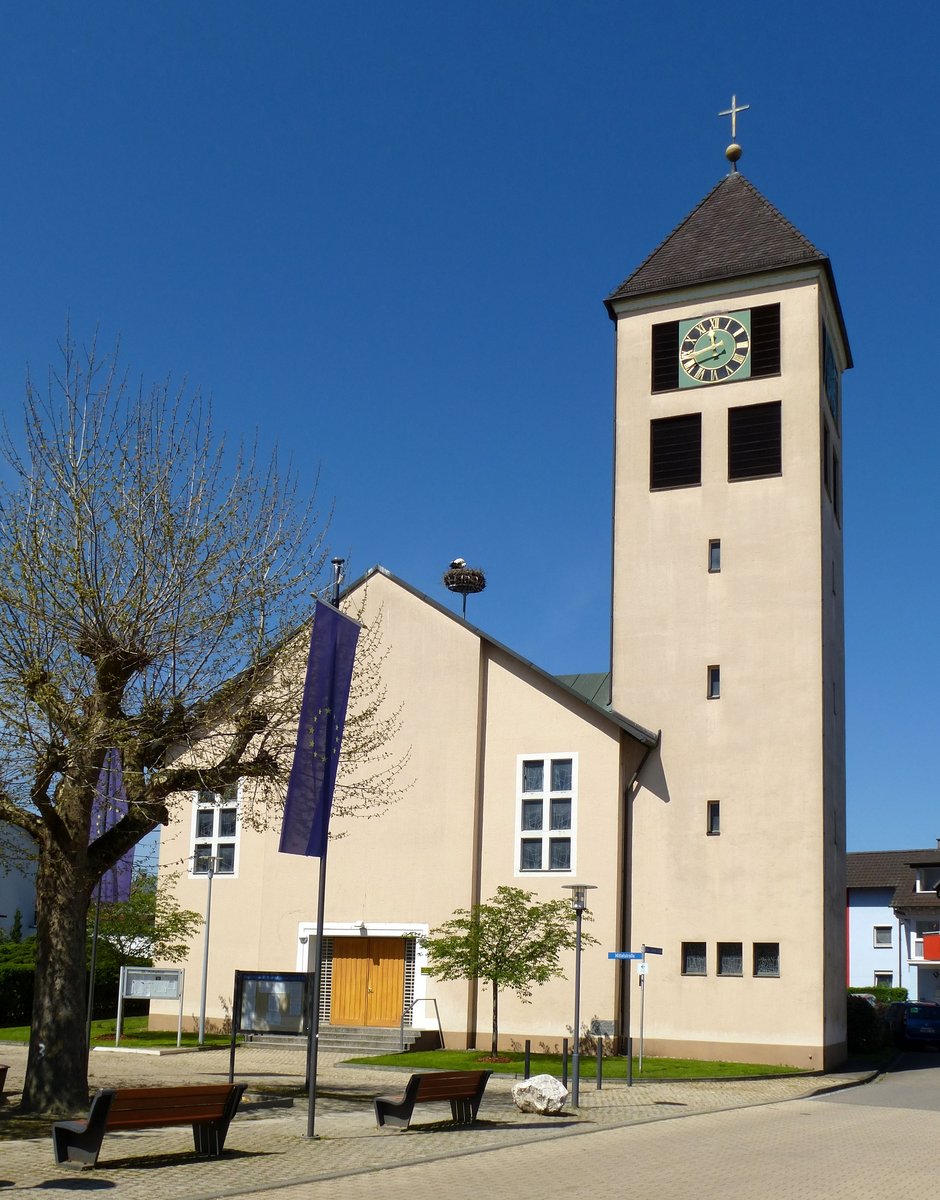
x,y
57,1066
494,1050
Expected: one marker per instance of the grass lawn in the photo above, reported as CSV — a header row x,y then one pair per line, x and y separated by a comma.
x,y
136,1035
550,1064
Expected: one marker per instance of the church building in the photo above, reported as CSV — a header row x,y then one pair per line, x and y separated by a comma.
x,y
699,786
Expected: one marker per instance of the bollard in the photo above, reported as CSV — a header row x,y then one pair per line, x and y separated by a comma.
x,y
600,1062
629,1062
528,1058
564,1062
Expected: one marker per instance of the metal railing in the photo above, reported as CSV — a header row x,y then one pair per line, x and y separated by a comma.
x,y
406,1012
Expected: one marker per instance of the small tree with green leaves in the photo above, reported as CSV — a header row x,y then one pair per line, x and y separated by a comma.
x,y
511,942
148,925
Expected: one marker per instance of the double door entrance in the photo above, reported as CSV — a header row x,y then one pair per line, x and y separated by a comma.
x,y
368,981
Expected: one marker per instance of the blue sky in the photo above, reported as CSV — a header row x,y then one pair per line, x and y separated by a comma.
x,y
382,233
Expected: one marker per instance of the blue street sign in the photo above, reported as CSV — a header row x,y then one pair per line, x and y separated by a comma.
x,y
624,954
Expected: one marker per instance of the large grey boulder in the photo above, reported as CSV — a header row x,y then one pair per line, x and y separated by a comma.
x,y
540,1094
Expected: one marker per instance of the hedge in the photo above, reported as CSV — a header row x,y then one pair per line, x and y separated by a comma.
x,y
16,994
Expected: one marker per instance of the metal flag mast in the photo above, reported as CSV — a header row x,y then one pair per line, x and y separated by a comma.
x,y
313,991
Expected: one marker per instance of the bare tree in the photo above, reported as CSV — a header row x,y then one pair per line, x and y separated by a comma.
x,y
147,579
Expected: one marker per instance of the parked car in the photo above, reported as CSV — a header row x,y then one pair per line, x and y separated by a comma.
x,y
914,1022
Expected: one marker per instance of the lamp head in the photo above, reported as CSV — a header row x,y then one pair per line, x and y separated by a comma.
x,y
579,893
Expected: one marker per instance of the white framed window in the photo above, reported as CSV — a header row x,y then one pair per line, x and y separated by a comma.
x,y
884,979
928,879
882,936
927,925
215,832
546,812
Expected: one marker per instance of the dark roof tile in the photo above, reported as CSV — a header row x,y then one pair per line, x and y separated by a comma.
x,y
734,231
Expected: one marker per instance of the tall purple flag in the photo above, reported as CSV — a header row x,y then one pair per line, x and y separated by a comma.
x,y
320,733
109,807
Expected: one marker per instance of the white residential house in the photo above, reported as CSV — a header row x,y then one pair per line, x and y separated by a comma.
x,y
892,902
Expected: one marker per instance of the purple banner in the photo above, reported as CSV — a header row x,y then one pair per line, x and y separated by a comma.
x,y
319,733
109,807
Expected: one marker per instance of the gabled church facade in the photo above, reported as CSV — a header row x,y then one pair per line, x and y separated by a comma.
x,y
701,789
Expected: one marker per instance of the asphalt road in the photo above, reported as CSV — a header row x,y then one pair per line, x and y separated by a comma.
x,y
878,1142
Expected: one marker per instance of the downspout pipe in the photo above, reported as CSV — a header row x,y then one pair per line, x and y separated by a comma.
x,y
626,891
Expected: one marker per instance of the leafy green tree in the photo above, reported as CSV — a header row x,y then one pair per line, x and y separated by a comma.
x,y
16,928
149,925
511,942
151,588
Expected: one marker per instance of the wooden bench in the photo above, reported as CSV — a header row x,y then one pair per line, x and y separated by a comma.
x,y
464,1090
209,1108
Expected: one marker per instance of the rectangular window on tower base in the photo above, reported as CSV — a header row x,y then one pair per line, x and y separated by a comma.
x,y
767,959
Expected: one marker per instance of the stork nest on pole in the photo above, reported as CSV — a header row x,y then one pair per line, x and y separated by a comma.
x,y
464,580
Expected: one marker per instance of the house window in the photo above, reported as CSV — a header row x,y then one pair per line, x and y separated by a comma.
x,y
215,832
884,979
754,441
714,683
766,959
693,958
920,928
730,958
928,879
882,936
713,818
547,788
676,452
714,556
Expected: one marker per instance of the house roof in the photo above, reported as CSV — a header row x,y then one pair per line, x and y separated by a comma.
x,y
580,693
593,686
896,869
734,231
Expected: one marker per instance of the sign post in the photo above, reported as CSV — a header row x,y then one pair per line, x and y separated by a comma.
x,y
642,970
148,983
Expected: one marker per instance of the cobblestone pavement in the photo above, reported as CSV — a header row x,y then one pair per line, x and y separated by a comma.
x,y
267,1149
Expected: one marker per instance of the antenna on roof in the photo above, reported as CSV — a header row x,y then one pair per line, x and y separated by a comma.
x,y
464,580
734,151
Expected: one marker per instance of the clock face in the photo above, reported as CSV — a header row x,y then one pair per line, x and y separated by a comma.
x,y
714,349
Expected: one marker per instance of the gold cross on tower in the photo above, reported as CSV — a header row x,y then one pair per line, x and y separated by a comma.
x,y
733,153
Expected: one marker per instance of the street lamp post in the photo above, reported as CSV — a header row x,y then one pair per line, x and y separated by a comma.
x,y
579,893
210,864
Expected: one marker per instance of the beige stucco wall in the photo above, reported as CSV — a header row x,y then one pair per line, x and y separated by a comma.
x,y
773,872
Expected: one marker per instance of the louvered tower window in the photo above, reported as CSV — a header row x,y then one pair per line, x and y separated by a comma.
x,y
676,451
754,441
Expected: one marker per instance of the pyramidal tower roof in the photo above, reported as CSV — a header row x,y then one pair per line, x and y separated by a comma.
x,y
734,231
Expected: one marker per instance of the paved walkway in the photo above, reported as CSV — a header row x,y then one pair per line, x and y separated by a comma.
x,y
267,1149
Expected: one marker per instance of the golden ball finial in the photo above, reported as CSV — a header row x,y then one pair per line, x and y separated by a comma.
x,y
733,153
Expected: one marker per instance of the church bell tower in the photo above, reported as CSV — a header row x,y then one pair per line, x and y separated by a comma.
x,y
727,629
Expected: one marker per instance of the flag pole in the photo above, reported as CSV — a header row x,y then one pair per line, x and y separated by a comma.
x,y
315,991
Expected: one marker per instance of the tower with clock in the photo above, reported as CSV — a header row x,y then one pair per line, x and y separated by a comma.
x,y
727,624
